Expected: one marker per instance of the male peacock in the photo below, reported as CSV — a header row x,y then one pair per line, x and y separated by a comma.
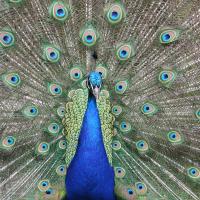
x,y
99,100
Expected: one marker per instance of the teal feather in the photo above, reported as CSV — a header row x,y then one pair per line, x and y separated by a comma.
x,y
147,53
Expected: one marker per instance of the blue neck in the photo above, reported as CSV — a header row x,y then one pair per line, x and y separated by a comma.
x,y
89,175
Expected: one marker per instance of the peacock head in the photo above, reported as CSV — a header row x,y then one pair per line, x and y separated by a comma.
x,y
94,83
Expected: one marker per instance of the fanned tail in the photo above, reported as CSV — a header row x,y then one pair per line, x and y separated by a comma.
x,y
148,55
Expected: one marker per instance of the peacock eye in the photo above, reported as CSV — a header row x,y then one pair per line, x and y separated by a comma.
x,y
76,74
43,185
120,172
6,39
149,109
14,79
62,144
54,128
142,146
55,89
30,111
11,79
115,14
33,110
141,188
8,142
164,76
166,37
174,137
52,54
50,192
130,191
59,11
124,52
116,110
43,148
169,35
89,36
167,77
116,145
193,173
61,111
61,170
121,87
125,127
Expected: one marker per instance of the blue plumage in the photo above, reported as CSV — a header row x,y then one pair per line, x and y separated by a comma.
x,y
90,175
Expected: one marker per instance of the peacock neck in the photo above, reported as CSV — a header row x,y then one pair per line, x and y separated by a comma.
x,y
90,173
91,133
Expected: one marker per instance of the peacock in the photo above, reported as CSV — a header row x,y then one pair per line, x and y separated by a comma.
x,y
99,99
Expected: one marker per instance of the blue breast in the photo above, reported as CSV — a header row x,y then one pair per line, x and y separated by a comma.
x,y
90,175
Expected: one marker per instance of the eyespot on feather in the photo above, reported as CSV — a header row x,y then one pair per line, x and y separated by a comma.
x,y
193,173
59,11
11,79
119,172
116,145
51,54
89,35
44,185
121,87
61,170
54,128
115,13
169,35
126,192
7,39
174,137
42,148
76,74
149,109
8,142
124,52
142,146
61,111
55,89
141,188
116,110
125,127
62,144
30,111
49,194
167,77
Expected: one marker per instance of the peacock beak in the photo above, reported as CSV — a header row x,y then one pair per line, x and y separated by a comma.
x,y
96,91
